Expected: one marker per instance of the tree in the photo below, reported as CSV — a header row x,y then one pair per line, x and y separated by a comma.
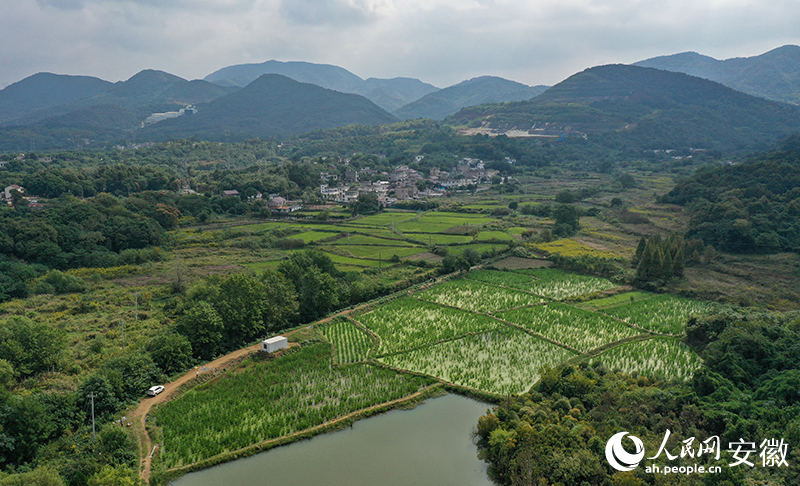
x,y
240,305
567,221
106,404
31,347
280,305
203,326
115,476
171,352
366,203
41,476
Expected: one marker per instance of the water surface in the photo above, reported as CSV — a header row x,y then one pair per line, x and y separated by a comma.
x,y
429,445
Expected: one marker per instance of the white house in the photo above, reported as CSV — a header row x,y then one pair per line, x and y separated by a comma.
x,y
274,343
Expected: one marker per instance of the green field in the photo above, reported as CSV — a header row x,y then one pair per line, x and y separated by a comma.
x,y
350,343
558,285
270,399
575,328
662,313
477,296
407,323
503,361
665,358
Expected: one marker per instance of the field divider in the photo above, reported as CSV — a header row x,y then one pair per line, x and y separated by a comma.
x,y
429,391
602,349
434,343
535,334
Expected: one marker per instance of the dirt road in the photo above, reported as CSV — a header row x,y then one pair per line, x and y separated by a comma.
x,y
143,409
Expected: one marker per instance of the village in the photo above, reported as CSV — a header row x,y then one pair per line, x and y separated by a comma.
x,y
402,183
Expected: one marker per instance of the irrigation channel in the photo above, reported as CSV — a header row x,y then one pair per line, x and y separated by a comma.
x,y
428,445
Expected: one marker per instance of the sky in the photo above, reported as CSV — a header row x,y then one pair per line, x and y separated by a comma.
x,y
441,42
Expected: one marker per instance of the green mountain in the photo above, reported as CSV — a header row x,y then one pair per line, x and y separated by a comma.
x,y
389,94
774,75
272,106
45,90
641,108
476,91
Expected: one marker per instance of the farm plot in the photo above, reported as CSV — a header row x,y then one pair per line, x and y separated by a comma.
x,y
506,279
502,361
408,323
661,313
494,235
370,240
655,358
384,219
382,252
272,399
352,344
310,236
558,285
477,296
437,223
572,327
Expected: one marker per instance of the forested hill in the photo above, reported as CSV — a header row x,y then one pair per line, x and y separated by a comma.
x,y
46,90
774,75
476,91
645,108
272,106
752,207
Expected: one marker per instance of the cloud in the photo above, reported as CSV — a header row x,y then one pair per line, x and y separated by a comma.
x,y
438,41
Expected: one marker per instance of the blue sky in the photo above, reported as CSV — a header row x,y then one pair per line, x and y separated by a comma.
x,y
441,42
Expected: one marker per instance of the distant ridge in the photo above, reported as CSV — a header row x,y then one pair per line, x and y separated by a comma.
x,y
389,94
46,90
273,106
774,75
641,108
476,91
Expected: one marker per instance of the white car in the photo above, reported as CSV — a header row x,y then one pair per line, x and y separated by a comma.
x,y
155,390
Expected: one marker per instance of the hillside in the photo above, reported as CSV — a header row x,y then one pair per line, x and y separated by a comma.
x,y
774,75
389,94
476,91
46,90
272,106
643,108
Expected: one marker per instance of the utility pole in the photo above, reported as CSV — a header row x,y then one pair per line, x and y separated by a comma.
x,y
123,336
94,435
136,315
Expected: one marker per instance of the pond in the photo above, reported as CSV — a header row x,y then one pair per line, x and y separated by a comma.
x,y
428,445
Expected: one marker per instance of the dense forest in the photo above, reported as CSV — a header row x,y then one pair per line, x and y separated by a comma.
x,y
750,207
745,392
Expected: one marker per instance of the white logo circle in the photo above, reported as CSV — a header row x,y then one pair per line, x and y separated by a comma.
x,y
619,458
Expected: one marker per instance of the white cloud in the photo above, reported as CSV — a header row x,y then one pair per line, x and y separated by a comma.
x,y
438,41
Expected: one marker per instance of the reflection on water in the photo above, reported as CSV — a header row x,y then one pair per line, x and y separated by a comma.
x,y
429,445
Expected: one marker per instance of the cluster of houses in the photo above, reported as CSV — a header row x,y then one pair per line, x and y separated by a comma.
x,y
275,203
402,182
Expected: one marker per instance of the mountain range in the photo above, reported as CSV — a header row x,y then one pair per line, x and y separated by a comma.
x,y
645,108
657,103
774,75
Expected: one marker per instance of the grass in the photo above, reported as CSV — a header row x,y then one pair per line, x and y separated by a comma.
x,y
572,248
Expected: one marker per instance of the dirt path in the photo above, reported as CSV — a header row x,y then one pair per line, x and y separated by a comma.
x,y
170,389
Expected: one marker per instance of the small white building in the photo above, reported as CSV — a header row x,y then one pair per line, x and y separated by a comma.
x,y
274,343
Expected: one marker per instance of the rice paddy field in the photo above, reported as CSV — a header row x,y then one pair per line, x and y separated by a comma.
x,y
662,313
657,357
572,327
503,361
477,296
